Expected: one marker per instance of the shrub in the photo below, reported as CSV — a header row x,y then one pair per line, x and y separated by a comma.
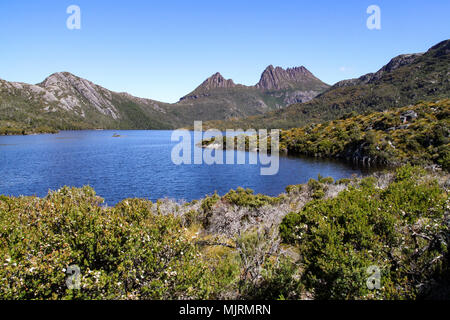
x,y
317,189
294,188
255,247
245,198
126,252
345,181
279,280
401,229
325,180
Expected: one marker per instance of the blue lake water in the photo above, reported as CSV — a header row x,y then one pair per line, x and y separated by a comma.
x,y
137,164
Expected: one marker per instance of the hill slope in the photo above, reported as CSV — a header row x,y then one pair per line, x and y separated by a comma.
x,y
404,80
417,134
65,101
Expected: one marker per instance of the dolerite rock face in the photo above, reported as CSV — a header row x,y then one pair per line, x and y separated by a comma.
x,y
288,86
278,78
213,82
73,91
217,81
299,96
68,101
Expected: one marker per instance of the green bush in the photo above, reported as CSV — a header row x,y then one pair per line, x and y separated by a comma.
x,y
401,229
207,206
317,188
345,181
280,280
293,188
245,198
209,202
125,252
325,180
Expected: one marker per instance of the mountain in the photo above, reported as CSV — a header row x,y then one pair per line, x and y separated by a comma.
x,y
216,81
220,98
406,79
298,84
65,101
279,78
395,63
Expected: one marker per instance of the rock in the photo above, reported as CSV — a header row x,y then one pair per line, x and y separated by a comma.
x,y
217,81
74,92
215,146
194,96
278,78
299,96
408,116
213,82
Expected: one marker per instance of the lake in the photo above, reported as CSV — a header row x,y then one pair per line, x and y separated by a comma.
x,y
138,164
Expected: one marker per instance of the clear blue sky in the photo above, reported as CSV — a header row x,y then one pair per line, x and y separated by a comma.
x,y
164,49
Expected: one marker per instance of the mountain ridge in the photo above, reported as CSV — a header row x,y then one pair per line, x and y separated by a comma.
x,y
65,101
405,79
277,78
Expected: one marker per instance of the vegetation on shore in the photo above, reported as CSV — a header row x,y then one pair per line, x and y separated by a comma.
x,y
416,134
316,241
16,129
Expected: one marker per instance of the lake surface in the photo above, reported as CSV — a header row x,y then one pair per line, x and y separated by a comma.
x,y
137,164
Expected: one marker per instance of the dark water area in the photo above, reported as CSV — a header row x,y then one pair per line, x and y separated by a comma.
x,y
129,164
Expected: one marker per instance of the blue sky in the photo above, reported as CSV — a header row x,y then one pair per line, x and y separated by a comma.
x,y
164,49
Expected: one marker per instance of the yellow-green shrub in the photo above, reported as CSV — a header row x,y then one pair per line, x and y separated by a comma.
x,y
125,252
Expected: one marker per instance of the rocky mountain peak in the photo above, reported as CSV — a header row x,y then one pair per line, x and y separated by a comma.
x,y
74,92
277,78
400,61
440,49
217,81
58,78
213,82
